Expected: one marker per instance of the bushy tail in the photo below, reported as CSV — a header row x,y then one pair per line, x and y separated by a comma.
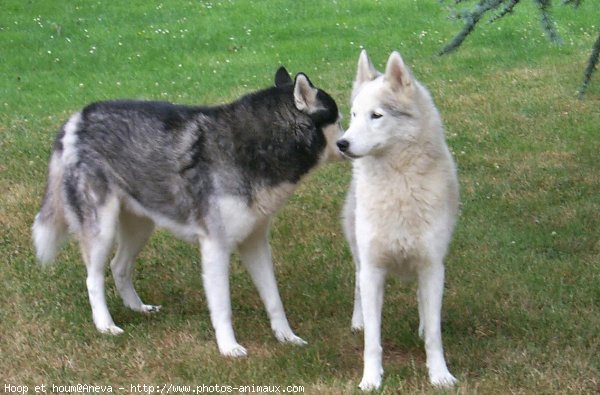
x,y
50,228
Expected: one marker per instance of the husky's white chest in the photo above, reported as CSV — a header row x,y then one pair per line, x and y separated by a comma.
x,y
396,214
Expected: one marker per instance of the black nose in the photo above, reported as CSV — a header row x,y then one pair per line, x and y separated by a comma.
x,y
343,145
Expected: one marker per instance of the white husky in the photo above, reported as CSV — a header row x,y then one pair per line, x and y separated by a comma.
x,y
401,207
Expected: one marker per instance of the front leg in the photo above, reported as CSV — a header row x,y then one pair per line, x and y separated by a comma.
x,y
349,227
372,283
357,312
215,276
256,257
430,292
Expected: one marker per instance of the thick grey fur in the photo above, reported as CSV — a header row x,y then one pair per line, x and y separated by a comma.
x,y
214,175
171,158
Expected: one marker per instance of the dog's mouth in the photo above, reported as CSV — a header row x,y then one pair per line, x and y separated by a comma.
x,y
344,148
350,155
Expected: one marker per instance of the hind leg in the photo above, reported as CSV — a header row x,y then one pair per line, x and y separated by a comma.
x,y
132,234
96,241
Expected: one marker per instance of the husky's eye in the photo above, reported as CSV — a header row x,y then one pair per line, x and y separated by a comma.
x,y
376,115
353,114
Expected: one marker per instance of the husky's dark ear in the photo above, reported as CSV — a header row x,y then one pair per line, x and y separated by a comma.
x,y
305,94
365,72
396,72
282,77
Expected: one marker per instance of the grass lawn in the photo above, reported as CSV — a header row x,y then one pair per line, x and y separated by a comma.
x,y
522,303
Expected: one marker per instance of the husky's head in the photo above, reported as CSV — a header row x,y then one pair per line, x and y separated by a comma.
x,y
385,110
319,106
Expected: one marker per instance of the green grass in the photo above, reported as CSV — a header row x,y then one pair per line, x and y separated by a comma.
x,y
522,305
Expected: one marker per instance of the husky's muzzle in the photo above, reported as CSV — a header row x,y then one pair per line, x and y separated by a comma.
x,y
344,147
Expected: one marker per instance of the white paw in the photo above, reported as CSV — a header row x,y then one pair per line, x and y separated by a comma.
x,y
357,323
149,309
442,379
235,351
287,336
284,334
371,380
370,384
111,330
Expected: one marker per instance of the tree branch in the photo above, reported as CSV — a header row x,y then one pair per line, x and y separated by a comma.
x,y
472,18
591,67
507,10
547,23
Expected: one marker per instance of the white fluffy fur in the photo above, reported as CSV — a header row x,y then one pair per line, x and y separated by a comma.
x,y
50,229
46,241
401,208
50,233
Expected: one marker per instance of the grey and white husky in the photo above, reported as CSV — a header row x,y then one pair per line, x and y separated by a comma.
x,y
213,175
402,206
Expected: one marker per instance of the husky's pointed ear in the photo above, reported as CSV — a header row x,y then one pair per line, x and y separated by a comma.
x,y
305,94
282,77
396,72
366,71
